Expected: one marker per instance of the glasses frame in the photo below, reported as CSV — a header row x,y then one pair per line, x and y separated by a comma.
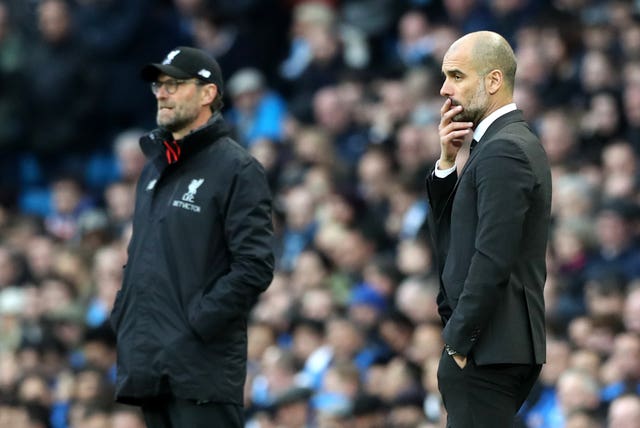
x,y
172,85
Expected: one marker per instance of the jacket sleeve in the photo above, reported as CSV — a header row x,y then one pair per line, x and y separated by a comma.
x,y
438,193
439,190
504,182
248,231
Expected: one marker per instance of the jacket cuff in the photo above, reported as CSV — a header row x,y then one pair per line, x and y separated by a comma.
x,y
462,345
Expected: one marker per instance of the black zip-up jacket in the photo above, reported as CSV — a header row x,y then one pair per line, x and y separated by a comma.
x,y
200,254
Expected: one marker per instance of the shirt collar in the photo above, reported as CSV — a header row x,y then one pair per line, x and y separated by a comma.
x,y
487,121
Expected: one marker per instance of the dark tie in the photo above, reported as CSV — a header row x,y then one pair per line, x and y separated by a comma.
x,y
473,144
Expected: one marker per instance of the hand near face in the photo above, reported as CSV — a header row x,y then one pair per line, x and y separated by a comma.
x,y
452,134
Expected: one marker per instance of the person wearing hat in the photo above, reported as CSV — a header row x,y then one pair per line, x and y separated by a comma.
x,y
199,255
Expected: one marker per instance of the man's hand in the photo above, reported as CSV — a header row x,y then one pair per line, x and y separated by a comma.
x,y
452,134
460,360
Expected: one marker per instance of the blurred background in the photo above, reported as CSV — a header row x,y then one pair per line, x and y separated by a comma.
x,y
339,100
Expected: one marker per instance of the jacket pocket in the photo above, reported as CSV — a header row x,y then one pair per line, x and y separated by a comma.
x,y
455,363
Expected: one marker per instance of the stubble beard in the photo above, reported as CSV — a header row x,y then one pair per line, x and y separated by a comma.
x,y
177,119
475,109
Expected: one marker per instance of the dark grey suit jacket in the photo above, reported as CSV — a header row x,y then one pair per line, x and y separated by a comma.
x,y
490,227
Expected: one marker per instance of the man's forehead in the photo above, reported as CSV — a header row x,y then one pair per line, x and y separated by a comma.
x,y
459,48
457,57
453,62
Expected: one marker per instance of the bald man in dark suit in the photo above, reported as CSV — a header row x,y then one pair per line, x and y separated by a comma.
x,y
489,222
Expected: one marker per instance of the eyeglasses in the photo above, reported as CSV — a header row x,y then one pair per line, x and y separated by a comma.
x,y
170,85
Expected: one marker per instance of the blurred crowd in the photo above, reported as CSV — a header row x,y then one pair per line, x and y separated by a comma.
x,y
339,100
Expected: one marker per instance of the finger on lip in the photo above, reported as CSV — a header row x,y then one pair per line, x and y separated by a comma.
x,y
445,107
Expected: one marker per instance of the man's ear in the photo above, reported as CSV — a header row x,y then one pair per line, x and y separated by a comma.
x,y
494,81
209,93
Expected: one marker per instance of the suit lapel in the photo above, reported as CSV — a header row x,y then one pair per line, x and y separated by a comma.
x,y
497,125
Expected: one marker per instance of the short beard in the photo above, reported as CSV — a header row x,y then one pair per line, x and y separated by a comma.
x,y
475,111
182,118
469,115
175,125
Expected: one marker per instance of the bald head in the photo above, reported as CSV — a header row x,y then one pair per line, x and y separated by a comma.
x,y
489,51
479,71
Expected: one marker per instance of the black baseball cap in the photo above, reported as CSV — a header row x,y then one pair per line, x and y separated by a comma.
x,y
186,63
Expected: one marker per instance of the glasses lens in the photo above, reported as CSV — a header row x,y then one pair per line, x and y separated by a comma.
x,y
171,86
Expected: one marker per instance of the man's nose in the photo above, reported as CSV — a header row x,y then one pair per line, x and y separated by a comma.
x,y
445,89
161,90
161,93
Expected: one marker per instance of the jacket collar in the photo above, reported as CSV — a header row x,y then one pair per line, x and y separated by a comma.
x,y
501,122
497,125
152,144
488,121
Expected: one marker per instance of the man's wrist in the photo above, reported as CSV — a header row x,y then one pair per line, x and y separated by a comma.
x,y
441,172
445,164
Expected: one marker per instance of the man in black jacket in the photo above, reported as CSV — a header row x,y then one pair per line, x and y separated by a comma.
x,y
490,225
200,254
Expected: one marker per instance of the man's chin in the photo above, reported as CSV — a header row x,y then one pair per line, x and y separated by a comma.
x,y
169,125
164,121
461,117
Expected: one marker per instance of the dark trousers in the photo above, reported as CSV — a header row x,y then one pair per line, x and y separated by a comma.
x,y
483,396
178,413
